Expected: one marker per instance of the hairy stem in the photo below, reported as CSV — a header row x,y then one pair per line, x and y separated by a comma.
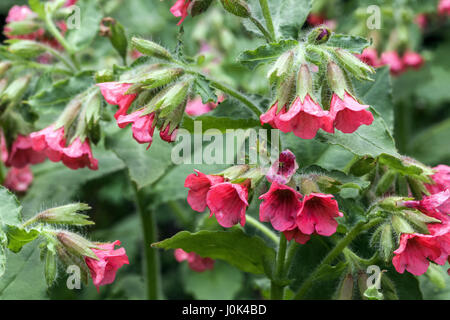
x,y
334,253
277,290
261,28
268,17
258,225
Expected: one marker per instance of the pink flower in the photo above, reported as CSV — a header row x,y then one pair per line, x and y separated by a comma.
x,y
413,60
297,235
414,252
441,179
180,9
317,214
195,261
271,116
22,153
283,168
304,118
103,271
421,20
49,141
70,3
444,7
79,155
429,205
142,126
196,107
20,13
393,60
167,136
114,93
18,179
349,114
199,186
370,57
228,202
280,206
3,147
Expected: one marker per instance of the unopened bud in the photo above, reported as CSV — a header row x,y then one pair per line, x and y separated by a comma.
x,y
4,66
336,79
159,78
386,181
234,172
51,267
23,27
76,244
104,75
282,66
26,48
345,291
199,6
150,48
14,91
173,98
285,90
386,242
237,7
319,35
417,187
400,225
67,215
356,67
327,184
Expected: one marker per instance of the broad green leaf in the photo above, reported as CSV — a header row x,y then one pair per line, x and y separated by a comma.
x,y
407,169
10,209
38,7
289,16
353,44
18,237
204,89
90,16
266,53
250,254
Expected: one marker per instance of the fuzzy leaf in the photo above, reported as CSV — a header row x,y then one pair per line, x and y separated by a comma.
x,y
265,53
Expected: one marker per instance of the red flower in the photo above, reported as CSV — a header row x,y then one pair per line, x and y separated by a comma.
x,y
18,179
317,214
167,136
393,60
414,252
283,168
228,202
22,153
297,235
304,118
195,261
49,141
196,107
199,186
280,206
180,9
79,155
103,271
349,114
413,60
21,13
444,7
142,126
421,20
441,179
370,57
114,93
271,116
3,147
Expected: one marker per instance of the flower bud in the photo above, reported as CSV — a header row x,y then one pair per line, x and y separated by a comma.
x,y
234,172
254,175
51,267
104,75
308,186
14,91
173,98
69,259
23,27
417,187
67,215
319,35
400,225
304,82
419,220
362,283
199,6
282,66
336,79
237,7
386,242
150,48
76,244
285,90
112,29
69,114
345,290
385,182
328,184
159,78
358,68
4,66
26,48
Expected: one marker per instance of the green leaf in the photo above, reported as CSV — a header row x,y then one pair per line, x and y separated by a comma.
x,y
10,209
38,7
250,254
406,169
204,89
82,36
119,39
266,53
353,44
18,237
289,16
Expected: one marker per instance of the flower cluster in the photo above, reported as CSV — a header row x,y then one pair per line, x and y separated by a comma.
x,y
195,261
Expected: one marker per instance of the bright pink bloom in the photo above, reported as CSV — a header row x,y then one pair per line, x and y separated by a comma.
x,y
70,3
22,153
280,206
18,179
180,9
414,252
79,155
370,57
195,261
20,13
142,126
393,60
304,119
114,93
349,114
421,20
49,141
168,137
413,60
297,235
199,186
271,116
103,271
196,107
441,179
228,202
317,214
283,168
3,147
444,7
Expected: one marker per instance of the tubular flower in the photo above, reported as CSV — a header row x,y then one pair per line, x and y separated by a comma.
x,y
79,155
180,9
228,202
283,168
18,179
167,136
22,153
441,179
349,114
115,93
49,141
297,235
195,261
199,185
370,57
196,107
143,126
413,60
317,214
280,206
272,116
393,60
444,7
304,119
103,271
